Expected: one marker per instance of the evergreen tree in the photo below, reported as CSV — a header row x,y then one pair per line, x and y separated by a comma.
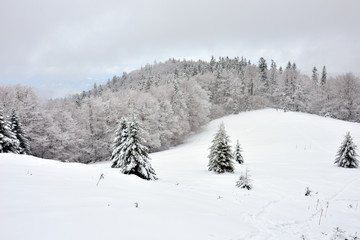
x,y
221,158
315,76
288,66
121,135
346,155
16,128
263,71
212,64
237,153
130,155
8,141
323,77
273,72
244,181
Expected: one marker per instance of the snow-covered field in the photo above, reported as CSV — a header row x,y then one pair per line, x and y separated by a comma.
x,y
284,152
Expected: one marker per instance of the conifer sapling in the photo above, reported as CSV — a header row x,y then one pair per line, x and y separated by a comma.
x,y
244,181
346,155
237,153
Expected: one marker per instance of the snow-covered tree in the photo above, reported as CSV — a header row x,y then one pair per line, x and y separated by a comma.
x,y
346,98
16,128
315,76
273,79
221,157
121,135
8,140
289,87
244,181
263,72
181,96
237,153
36,120
197,102
323,77
346,155
130,154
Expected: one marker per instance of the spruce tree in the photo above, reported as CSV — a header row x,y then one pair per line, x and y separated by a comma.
x,y
221,158
121,135
315,76
323,77
8,141
237,153
130,155
346,155
263,71
273,72
16,128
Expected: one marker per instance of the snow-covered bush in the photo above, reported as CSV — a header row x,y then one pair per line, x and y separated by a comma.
x,y
244,181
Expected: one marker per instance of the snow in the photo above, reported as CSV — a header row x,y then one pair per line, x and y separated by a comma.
x,y
284,153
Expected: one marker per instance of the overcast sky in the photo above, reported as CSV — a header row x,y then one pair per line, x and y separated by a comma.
x,y
64,46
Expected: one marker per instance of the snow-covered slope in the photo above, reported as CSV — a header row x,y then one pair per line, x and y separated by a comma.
x,y
284,152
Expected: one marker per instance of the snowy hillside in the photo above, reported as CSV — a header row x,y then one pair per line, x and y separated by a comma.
x,y
284,152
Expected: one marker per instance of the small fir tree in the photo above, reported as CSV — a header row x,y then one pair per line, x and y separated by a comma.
x,y
129,154
16,128
221,157
346,155
244,181
237,153
8,140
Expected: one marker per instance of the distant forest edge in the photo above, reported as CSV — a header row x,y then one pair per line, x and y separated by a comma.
x,y
172,100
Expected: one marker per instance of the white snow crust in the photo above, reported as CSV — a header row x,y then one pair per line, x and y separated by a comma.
x,y
284,153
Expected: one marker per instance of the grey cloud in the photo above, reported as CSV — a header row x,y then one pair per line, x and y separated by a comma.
x,y
53,41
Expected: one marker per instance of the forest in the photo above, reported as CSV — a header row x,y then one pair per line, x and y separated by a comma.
x,y
172,100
